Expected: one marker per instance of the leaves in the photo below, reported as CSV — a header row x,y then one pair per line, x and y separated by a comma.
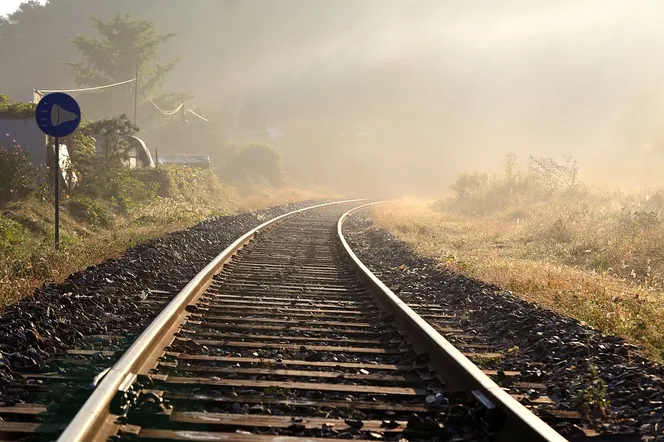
x,y
124,45
16,109
16,177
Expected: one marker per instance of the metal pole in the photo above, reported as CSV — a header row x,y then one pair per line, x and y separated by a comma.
x,y
136,96
57,193
156,158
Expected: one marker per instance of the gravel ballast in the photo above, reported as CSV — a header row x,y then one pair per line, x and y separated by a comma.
x,y
603,377
102,299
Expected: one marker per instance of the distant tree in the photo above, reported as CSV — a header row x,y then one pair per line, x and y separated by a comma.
x,y
124,46
25,11
255,163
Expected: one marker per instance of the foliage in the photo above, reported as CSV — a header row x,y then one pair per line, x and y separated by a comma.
x,y
114,134
555,175
117,184
467,184
256,164
481,193
16,109
16,179
124,46
11,233
89,210
594,254
103,176
592,393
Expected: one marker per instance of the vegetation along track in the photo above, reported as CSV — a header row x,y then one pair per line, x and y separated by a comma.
x,y
278,339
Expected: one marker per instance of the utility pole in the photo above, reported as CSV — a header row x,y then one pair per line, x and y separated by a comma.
x,y
57,192
136,96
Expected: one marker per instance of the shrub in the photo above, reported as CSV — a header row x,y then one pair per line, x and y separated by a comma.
x,y
114,132
480,193
16,109
11,233
255,163
16,180
639,220
467,184
88,210
553,174
119,185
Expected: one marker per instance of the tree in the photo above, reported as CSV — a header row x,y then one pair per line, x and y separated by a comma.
x,y
125,46
112,134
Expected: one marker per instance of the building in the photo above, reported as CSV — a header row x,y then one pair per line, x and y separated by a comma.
x,y
199,161
138,155
25,133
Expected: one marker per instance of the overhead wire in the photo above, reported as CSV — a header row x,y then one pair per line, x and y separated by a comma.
x,y
85,89
164,112
196,115
42,92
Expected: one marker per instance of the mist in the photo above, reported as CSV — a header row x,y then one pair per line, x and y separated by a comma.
x,y
394,96
451,87
446,87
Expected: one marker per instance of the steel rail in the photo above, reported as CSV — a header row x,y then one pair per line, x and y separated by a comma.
x,y
92,416
519,423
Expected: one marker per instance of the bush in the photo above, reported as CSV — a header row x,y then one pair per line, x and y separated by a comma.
x,y
118,185
467,184
16,109
255,164
11,233
553,174
16,178
480,193
91,211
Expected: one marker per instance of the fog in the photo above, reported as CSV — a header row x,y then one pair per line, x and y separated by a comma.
x,y
390,96
445,87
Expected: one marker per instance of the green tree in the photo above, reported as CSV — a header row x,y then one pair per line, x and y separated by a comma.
x,y
125,46
112,135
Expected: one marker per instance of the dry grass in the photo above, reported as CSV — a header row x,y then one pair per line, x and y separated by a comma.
x,y
28,260
282,196
582,257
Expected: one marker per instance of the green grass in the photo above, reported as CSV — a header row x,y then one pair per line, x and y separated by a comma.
x,y
93,230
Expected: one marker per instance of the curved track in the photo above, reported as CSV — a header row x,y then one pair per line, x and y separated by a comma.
x,y
279,339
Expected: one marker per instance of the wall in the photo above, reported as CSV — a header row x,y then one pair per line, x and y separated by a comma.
x,y
27,134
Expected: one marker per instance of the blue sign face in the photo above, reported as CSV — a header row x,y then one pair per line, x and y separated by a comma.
x,y
58,115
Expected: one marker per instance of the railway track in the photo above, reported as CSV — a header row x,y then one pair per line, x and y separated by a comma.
x,y
277,339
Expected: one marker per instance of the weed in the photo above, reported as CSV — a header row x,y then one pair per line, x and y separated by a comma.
x,y
276,391
592,395
573,255
89,210
486,359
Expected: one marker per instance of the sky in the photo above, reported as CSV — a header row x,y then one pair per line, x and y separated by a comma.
x,y
461,83
9,6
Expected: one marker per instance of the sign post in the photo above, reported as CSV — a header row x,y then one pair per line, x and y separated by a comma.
x,y
58,115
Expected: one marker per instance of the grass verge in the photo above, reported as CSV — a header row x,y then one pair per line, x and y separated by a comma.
x,y
93,230
576,256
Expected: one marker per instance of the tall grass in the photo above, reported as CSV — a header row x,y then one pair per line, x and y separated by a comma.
x,y
591,253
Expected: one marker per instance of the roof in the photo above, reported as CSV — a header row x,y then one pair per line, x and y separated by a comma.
x,y
184,159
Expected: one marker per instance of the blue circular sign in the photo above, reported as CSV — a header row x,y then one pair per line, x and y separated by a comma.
x,y
58,115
